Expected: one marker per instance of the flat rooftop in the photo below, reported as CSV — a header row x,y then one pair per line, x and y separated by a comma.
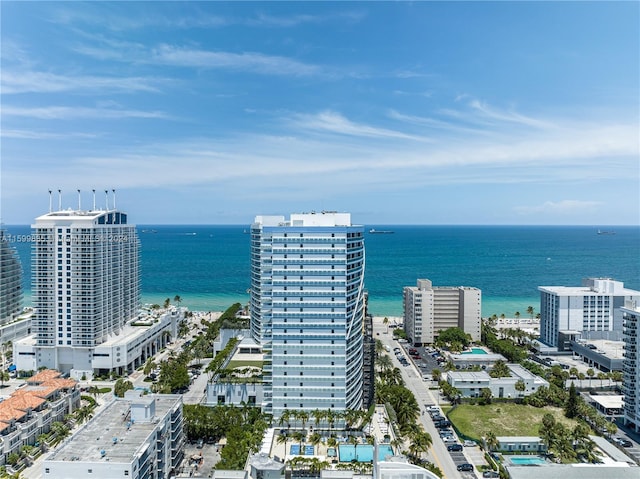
x,y
112,432
607,347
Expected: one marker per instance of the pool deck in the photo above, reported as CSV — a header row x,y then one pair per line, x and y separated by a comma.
x,y
378,428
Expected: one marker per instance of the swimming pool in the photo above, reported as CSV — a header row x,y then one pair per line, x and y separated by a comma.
x,y
475,351
527,460
363,452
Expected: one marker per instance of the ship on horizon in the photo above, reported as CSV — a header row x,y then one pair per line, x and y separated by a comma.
x,y
601,232
374,231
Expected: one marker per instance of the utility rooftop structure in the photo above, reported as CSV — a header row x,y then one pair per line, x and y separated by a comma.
x,y
307,309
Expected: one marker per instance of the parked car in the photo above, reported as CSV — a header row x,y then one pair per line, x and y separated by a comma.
x,y
465,467
620,441
491,474
469,443
443,424
454,447
448,439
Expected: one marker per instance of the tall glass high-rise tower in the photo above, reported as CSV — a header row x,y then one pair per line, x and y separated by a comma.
x,y
307,309
10,281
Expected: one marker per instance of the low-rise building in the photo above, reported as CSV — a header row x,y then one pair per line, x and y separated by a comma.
x,y
471,383
30,410
123,353
137,437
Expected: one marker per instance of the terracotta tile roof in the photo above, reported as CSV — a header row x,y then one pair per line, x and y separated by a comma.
x,y
41,386
44,375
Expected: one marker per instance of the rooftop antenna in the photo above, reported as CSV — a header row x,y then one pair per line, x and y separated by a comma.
x,y
79,208
114,199
50,201
59,200
94,200
106,199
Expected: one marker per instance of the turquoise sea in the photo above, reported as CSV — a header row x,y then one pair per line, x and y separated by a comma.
x,y
208,266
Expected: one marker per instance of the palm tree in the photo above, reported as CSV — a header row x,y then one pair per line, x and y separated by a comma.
x,y
284,418
315,439
530,311
602,376
283,439
491,441
167,303
591,373
384,362
573,372
436,374
177,299
83,414
385,321
520,387
420,442
303,417
59,430
318,416
517,314
4,376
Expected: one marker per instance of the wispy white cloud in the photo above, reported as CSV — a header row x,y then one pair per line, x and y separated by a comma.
x,y
43,135
16,81
491,113
563,207
246,61
68,113
294,20
333,122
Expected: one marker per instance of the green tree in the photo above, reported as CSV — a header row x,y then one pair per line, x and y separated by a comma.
x,y
572,408
591,373
530,311
436,374
121,386
167,303
385,321
500,370
177,299
491,440
4,376
517,314
453,335
520,387
486,395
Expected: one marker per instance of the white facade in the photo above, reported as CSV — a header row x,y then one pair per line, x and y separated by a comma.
x,y
136,437
86,296
307,309
429,310
631,365
471,383
592,308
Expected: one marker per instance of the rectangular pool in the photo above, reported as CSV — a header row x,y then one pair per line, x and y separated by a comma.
x,y
526,460
475,351
363,452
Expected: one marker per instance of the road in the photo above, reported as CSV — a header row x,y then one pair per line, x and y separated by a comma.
x,y
438,453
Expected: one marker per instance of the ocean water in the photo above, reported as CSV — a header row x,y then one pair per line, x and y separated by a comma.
x,y
208,266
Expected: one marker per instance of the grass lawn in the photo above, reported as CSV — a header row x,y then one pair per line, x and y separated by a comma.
x,y
504,419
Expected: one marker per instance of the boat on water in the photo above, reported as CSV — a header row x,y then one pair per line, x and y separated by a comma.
x,y
374,231
600,232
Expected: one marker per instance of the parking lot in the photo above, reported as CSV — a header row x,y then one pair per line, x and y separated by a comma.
x,y
199,459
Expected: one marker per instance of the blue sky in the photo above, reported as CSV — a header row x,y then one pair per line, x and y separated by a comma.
x,y
400,113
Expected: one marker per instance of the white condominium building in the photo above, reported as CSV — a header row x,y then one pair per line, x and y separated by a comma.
x,y
138,437
631,364
307,309
593,308
429,310
86,289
